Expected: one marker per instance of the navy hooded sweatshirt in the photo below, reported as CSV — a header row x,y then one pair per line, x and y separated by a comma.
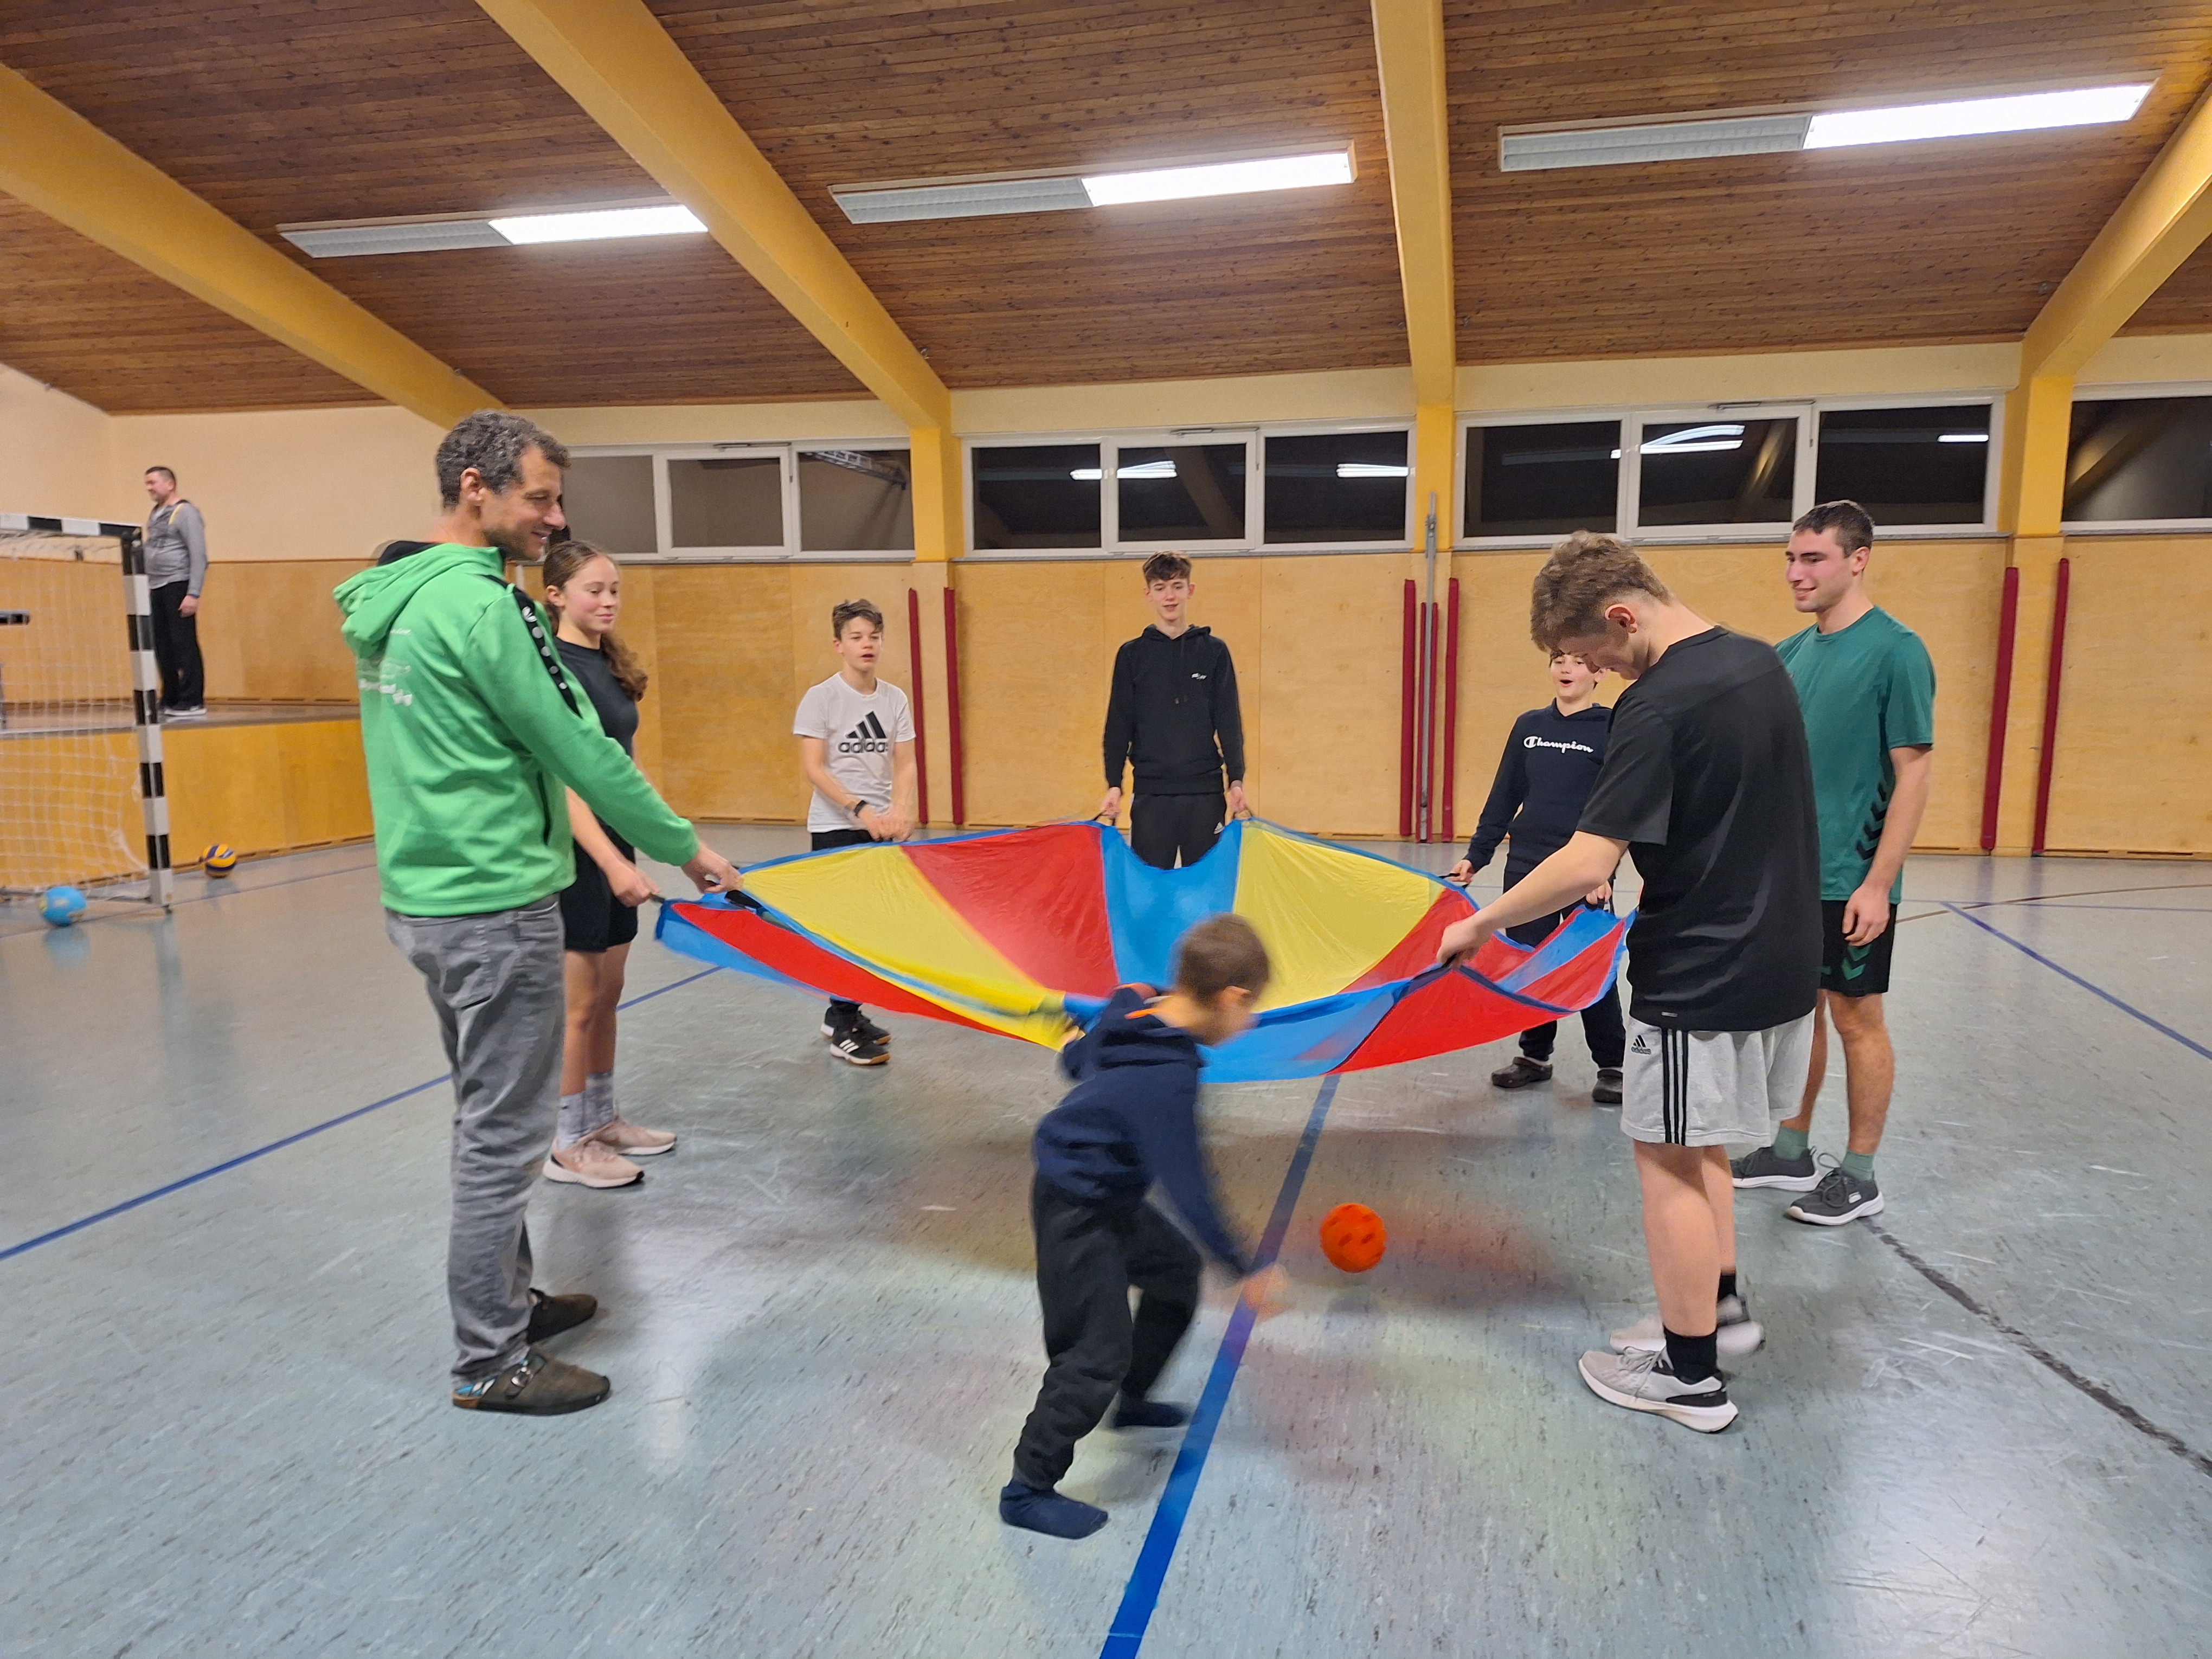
x,y
1131,1119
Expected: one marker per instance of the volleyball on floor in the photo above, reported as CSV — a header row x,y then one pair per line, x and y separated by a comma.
x,y
219,859
1353,1237
61,906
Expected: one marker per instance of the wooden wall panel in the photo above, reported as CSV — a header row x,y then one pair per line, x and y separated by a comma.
x,y
1036,659
268,632
76,646
1328,687
73,813
266,788
2133,768
724,634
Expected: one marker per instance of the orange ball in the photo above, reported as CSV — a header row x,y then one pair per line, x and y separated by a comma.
x,y
1353,1237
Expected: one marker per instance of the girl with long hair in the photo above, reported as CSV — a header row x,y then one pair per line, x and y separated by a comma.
x,y
595,1144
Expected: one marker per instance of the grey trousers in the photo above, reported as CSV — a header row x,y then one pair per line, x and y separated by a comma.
x,y
495,981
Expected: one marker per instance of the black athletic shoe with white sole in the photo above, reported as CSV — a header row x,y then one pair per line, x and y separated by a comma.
x,y
1840,1197
1765,1169
866,1027
1643,1382
847,1043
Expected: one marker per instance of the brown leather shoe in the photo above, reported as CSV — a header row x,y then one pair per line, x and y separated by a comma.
x,y
549,1316
1521,1073
539,1386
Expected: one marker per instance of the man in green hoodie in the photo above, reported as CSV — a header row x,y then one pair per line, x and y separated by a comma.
x,y
473,734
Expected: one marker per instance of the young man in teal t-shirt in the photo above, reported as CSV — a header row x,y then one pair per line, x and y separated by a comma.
x,y
1868,690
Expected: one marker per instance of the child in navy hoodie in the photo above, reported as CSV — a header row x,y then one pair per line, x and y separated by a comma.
x,y
1131,1119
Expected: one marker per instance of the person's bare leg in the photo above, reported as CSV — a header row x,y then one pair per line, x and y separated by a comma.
x,y
1818,1072
1720,1198
580,979
614,965
1681,1233
1869,1067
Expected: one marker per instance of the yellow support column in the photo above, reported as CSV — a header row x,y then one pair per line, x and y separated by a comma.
x,y
54,159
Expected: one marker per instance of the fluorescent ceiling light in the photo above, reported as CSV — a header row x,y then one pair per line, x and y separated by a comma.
x,y
1771,132
970,198
1087,474
1370,470
1963,438
439,233
2028,112
1695,440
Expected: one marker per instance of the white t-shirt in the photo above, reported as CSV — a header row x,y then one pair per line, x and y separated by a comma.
x,y
857,731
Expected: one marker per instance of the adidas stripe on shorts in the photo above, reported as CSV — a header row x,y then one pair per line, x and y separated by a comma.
x,y
1711,1088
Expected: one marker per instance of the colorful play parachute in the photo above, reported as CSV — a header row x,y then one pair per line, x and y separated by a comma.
x,y
1027,932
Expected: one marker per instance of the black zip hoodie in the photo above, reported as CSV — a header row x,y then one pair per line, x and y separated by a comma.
x,y
1173,710
1131,1119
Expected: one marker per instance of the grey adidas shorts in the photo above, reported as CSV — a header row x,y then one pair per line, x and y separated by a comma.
x,y
1711,1088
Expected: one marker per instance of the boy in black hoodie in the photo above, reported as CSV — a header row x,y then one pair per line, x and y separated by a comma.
x,y
1131,1119
1550,765
1174,711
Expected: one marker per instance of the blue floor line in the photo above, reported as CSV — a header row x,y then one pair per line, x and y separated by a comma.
x,y
1142,1595
213,1169
2031,952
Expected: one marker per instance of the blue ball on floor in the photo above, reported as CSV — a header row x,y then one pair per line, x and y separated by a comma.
x,y
61,906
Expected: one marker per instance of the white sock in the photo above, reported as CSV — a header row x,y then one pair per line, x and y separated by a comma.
x,y
599,1102
573,1126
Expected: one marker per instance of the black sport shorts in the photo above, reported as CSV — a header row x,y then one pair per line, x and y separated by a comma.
x,y
1853,970
592,917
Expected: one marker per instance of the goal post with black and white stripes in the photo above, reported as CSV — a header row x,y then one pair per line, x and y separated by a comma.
x,y
83,795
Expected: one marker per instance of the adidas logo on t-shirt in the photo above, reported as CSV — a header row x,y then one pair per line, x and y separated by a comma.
x,y
868,738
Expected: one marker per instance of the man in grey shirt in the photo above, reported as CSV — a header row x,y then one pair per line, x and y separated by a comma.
x,y
176,566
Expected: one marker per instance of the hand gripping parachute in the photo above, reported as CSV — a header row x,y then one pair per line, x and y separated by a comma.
x,y
1027,932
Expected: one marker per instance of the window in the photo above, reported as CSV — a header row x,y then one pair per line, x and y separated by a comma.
x,y
608,501
855,500
1545,480
725,502
1340,488
2136,459
1180,493
1907,466
1036,495
1720,470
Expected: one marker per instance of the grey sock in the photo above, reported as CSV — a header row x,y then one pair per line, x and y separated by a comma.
x,y
599,1102
573,1127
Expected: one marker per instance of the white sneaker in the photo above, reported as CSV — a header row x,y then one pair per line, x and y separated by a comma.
x,y
1642,1383
633,1141
1739,1334
591,1164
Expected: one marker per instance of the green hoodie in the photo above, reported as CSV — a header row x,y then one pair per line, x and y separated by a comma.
x,y
471,730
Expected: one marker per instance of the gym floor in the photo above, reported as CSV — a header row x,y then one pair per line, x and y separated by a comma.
x,y
1983,1426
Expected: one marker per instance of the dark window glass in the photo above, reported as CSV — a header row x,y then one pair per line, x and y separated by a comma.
x,y
1183,493
1719,472
1543,480
855,500
2140,458
1907,465
608,501
1036,495
734,501
1337,487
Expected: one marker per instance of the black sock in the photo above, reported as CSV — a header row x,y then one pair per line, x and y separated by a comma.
x,y
1727,1286
1694,1359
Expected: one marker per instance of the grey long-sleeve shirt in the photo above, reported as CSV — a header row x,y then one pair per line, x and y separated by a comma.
x,y
176,546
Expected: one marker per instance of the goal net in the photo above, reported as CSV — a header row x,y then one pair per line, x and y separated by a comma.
x,y
81,789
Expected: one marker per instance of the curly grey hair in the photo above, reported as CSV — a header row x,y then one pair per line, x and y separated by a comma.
x,y
492,441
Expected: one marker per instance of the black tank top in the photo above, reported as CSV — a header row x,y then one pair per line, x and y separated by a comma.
x,y
588,666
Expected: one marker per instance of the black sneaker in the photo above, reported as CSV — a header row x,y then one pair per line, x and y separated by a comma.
x,y
539,1386
549,1316
847,1043
1840,1197
874,1033
1607,1091
1763,1168
1521,1073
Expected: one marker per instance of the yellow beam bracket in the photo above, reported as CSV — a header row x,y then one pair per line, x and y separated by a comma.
x,y
939,488
54,159
615,59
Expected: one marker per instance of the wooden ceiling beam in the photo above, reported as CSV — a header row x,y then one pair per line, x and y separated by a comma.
x,y
55,160
616,61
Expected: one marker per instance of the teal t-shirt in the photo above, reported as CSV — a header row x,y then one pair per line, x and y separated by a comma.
x,y
1865,690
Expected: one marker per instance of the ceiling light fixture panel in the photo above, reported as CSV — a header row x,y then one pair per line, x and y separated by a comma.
x,y
347,239
907,201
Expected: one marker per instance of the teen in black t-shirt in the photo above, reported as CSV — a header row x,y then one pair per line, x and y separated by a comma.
x,y
1706,781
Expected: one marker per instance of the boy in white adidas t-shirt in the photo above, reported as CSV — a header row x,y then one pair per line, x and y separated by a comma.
x,y
856,746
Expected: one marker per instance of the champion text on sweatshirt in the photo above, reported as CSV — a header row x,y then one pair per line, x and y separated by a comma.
x,y
1131,1119
1550,765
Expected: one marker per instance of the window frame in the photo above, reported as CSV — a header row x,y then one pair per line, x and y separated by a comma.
x,y
1990,473
2120,392
786,452
1462,476
1805,412
1409,519
968,446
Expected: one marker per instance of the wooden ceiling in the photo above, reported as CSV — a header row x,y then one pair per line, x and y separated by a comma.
x,y
284,111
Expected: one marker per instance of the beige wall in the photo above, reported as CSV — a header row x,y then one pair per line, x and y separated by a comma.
x,y
54,453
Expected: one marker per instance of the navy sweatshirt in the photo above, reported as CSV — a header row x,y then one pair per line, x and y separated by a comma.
x,y
1131,1119
1550,765
1173,710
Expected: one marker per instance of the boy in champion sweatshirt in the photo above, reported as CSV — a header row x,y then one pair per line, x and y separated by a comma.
x,y
1131,1119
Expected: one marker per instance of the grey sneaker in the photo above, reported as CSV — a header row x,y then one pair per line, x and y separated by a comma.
x,y
1738,1334
1642,1381
1521,1073
1764,1169
1840,1197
